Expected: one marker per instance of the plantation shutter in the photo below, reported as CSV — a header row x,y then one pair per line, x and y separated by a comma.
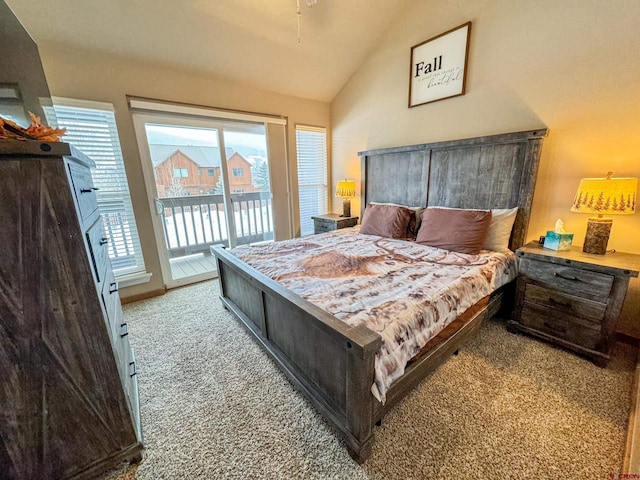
x,y
91,127
311,146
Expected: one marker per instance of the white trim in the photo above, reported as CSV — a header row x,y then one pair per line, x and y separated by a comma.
x,y
309,128
132,279
154,106
74,102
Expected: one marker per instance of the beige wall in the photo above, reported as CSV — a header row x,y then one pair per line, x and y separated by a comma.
x,y
93,76
568,65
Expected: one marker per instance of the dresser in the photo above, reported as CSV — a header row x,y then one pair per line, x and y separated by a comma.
x,y
68,385
571,298
332,221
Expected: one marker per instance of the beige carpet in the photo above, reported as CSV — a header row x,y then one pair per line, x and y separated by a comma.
x,y
214,406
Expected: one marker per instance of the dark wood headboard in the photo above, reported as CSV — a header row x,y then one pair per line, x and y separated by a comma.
x,y
496,171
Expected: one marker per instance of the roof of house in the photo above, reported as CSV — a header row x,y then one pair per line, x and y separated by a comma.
x,y
202,156
250,161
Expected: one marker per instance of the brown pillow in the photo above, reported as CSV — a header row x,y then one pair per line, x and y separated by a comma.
x,y
414,220
453,229
385,221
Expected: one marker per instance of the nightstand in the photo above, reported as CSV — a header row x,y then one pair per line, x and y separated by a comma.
x,y
571,298
332,221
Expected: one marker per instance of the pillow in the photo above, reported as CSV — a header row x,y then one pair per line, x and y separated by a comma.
x,y
502,220
385,221
454,229
414,221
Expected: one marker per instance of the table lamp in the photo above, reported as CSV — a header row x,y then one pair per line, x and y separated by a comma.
x,y
346,189
603,196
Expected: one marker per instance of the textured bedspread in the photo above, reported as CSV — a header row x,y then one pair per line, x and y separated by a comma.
x,y
402,290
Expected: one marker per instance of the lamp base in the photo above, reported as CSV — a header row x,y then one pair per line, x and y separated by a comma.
x,y
597,237
346,208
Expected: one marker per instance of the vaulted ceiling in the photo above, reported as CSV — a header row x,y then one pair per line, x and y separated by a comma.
x,y
254,42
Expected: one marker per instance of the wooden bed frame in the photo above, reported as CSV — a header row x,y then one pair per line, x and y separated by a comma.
x,y
333,363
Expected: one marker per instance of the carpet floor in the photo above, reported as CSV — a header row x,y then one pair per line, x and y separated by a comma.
x,y
214,406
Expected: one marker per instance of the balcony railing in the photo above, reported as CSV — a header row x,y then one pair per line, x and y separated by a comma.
x,y
192,224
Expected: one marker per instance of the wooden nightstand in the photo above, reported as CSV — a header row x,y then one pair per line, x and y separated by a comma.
x,y
332,221
571,298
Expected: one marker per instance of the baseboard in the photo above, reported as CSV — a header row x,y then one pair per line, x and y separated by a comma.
x,y
632,451
143,296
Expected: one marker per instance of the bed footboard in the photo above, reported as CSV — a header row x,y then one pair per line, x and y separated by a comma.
x,y
329,361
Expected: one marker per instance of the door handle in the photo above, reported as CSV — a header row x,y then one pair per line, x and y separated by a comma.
x,y
159,207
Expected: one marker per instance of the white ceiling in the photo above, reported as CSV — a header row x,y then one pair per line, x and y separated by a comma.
x,y
254,42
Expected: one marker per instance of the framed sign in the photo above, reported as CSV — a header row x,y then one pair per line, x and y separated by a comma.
x,y
439,66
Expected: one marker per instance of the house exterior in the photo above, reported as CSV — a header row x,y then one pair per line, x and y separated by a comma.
x,y
181,171
240,178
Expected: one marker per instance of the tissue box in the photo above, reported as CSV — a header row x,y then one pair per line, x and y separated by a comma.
x,y
558,241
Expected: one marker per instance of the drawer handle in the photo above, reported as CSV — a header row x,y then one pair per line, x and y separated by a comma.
x,y
133,370
113,287
126,329
560,304
551,326
88,190
566,277
104,241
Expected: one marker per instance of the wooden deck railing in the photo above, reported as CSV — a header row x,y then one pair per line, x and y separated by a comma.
x,y
194,223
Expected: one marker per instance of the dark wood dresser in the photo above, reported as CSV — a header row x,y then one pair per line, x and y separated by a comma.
x,y
68,388
572,299
332,221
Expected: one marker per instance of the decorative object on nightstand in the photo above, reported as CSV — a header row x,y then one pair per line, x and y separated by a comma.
x,y
332,221
604,196
558,239
571,298
346,189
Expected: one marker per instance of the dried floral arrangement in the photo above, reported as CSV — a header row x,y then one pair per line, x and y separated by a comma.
x,y
35,131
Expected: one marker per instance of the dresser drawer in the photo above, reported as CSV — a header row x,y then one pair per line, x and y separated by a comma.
x,y
97,241
565,304
124,354
83,190
112,306
566,327
580,283
131,388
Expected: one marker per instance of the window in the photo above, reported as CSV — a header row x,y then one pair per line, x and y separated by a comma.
x,y
91,127
180,173
237,172
211,172
199,172
311,145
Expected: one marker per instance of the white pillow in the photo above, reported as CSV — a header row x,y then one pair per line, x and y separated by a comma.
x,y
502,220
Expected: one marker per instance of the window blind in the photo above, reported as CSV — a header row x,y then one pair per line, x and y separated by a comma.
x,y
311,146
91,127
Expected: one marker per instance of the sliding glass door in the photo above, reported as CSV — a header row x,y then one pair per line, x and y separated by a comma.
x,y
209,184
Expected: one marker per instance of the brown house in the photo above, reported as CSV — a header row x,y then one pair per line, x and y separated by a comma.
x,y
240,180
181,171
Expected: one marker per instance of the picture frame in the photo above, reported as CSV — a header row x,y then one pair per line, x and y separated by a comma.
x,y
438,67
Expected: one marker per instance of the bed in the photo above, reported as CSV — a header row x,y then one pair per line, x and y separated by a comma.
x,y
333,362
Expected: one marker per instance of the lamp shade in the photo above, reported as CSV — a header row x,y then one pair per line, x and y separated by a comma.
x,y
606,196
346,189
